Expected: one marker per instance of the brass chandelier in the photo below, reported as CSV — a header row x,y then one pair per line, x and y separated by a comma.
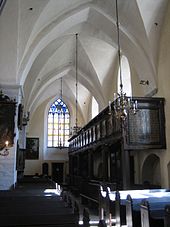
x,y
122,103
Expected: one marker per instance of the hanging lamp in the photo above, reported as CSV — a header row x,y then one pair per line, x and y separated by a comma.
x,y
122,103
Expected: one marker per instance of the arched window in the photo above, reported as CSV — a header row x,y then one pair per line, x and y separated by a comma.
x,y
58,124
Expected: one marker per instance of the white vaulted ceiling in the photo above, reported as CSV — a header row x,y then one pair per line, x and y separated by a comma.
x,y
46,52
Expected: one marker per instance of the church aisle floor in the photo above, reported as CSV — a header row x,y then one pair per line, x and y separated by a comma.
x,y
35,202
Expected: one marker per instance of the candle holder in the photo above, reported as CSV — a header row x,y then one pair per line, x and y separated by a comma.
x,y
5,152
122,105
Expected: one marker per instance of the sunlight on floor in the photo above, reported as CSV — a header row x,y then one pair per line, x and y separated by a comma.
x,y
56,191
95,223
51,192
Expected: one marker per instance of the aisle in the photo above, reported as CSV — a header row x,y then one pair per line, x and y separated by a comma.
x,y
35,203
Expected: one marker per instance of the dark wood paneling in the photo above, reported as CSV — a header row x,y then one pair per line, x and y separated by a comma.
x,y
146,129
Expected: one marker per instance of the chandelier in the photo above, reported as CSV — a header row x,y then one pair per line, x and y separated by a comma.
x,y
122,103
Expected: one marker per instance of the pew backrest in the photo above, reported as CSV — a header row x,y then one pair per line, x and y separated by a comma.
x,y
167,216
86,217
129,211
146,219
145,213
104,202
117,209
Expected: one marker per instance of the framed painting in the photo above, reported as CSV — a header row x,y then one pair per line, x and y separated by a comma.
x,y
32,148
7,124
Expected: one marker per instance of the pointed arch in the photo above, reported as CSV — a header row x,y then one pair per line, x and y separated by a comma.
x,y
151,170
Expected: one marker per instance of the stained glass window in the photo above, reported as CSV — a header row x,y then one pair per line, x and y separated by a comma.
x,y
58,124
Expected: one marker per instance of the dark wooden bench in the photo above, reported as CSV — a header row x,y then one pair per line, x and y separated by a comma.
x,y
132,216
86,217
90,194
30,207
167,216
120,211
146,219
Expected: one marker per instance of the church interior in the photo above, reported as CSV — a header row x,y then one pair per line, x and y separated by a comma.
x,y
85,110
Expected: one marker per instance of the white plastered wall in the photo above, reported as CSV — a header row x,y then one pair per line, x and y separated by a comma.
x,y
163,75
39,130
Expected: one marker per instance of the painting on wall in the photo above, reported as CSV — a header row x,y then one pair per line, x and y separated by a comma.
x,y
20,159
32,148
7,124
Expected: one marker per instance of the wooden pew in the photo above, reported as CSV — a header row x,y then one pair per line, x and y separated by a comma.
x,y
102,223
117,209
86,217
146,219
90,193
19,209
132,216
167,216
129,211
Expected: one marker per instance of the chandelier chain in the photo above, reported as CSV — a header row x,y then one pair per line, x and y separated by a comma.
x,y
118,43
76,66
122,103
61,92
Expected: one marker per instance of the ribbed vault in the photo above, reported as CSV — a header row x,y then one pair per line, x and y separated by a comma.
x,y
47,50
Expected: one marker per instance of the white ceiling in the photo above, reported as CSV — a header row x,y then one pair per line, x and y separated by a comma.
x,y
46,52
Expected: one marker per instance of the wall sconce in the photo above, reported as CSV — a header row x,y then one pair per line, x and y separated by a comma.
x,y
5,152
144,82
